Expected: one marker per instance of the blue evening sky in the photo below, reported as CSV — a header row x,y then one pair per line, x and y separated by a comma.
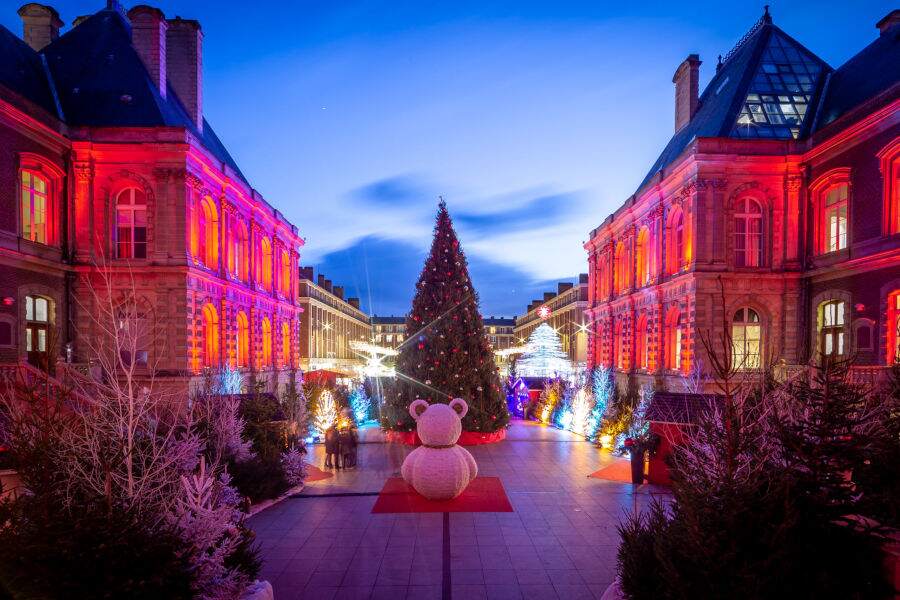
x,y
534,119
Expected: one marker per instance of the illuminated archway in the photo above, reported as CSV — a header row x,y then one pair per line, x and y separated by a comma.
x,y
243,340
210,336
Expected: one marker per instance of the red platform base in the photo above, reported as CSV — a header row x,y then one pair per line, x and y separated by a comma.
x,y
467,438
484,494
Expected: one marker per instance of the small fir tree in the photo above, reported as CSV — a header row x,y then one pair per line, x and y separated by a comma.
x,y
447,354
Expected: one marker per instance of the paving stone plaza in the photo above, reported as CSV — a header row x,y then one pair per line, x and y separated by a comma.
x,y
560,541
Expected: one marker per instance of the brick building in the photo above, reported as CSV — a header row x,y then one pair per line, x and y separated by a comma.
x,y
564,311
328,323
107,164
780,182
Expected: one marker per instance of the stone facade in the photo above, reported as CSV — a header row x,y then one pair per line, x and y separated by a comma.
x,y
737,246
160,209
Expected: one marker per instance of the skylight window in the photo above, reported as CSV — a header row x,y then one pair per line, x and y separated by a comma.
x,y
780,93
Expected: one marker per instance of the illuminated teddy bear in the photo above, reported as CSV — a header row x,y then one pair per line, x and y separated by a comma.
x,y
439,469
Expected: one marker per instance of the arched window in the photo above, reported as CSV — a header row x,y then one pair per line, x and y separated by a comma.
x,y
37,330
832,321
748,233
264,265
242,353
131,224
830,197
210,334
619,268
641,343
675,241
642,257
673,340
285,344
266,342
207,232
890,173
35,207
893,328
239,251
746,339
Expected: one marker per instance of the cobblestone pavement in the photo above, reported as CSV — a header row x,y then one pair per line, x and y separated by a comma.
x,y
560,541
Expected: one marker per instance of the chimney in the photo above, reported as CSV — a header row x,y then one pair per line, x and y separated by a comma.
x,y
687,90
891,20
328,286
549,296
148,36
339,291
40,25
583,278
184,65
306,273
562,286
320,281
354,302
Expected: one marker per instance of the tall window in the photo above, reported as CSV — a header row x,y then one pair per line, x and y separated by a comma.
x,y
210,333
832,328
206,231
285,344
242,351
890,173
619,345
37,330
746,339
673,340
834,218
641,339
131,224
642,257
675,251
893,328
619,268
35,193
266,342
748,233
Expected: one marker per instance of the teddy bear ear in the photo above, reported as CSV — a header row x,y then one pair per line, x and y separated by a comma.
x,y
460,406
417,407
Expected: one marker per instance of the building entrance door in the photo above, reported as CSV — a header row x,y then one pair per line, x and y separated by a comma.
x,y
37,331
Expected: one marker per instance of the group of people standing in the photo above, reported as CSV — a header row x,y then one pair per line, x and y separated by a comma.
x,y
341,442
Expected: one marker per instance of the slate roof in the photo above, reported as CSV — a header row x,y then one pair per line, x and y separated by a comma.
x,y
671,407
721,100
100,81
22,71
500,321
873,71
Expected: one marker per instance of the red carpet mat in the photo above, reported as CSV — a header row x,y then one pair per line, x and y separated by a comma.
x,y
484,494
314,473
619,470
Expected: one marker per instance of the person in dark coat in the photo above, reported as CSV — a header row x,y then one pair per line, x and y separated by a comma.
x,y
349,440
332,448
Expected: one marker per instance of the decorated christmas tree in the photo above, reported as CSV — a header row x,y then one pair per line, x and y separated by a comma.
x,y
446,354
545,356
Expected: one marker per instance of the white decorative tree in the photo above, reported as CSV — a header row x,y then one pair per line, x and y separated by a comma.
x,y
545,356
326,412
